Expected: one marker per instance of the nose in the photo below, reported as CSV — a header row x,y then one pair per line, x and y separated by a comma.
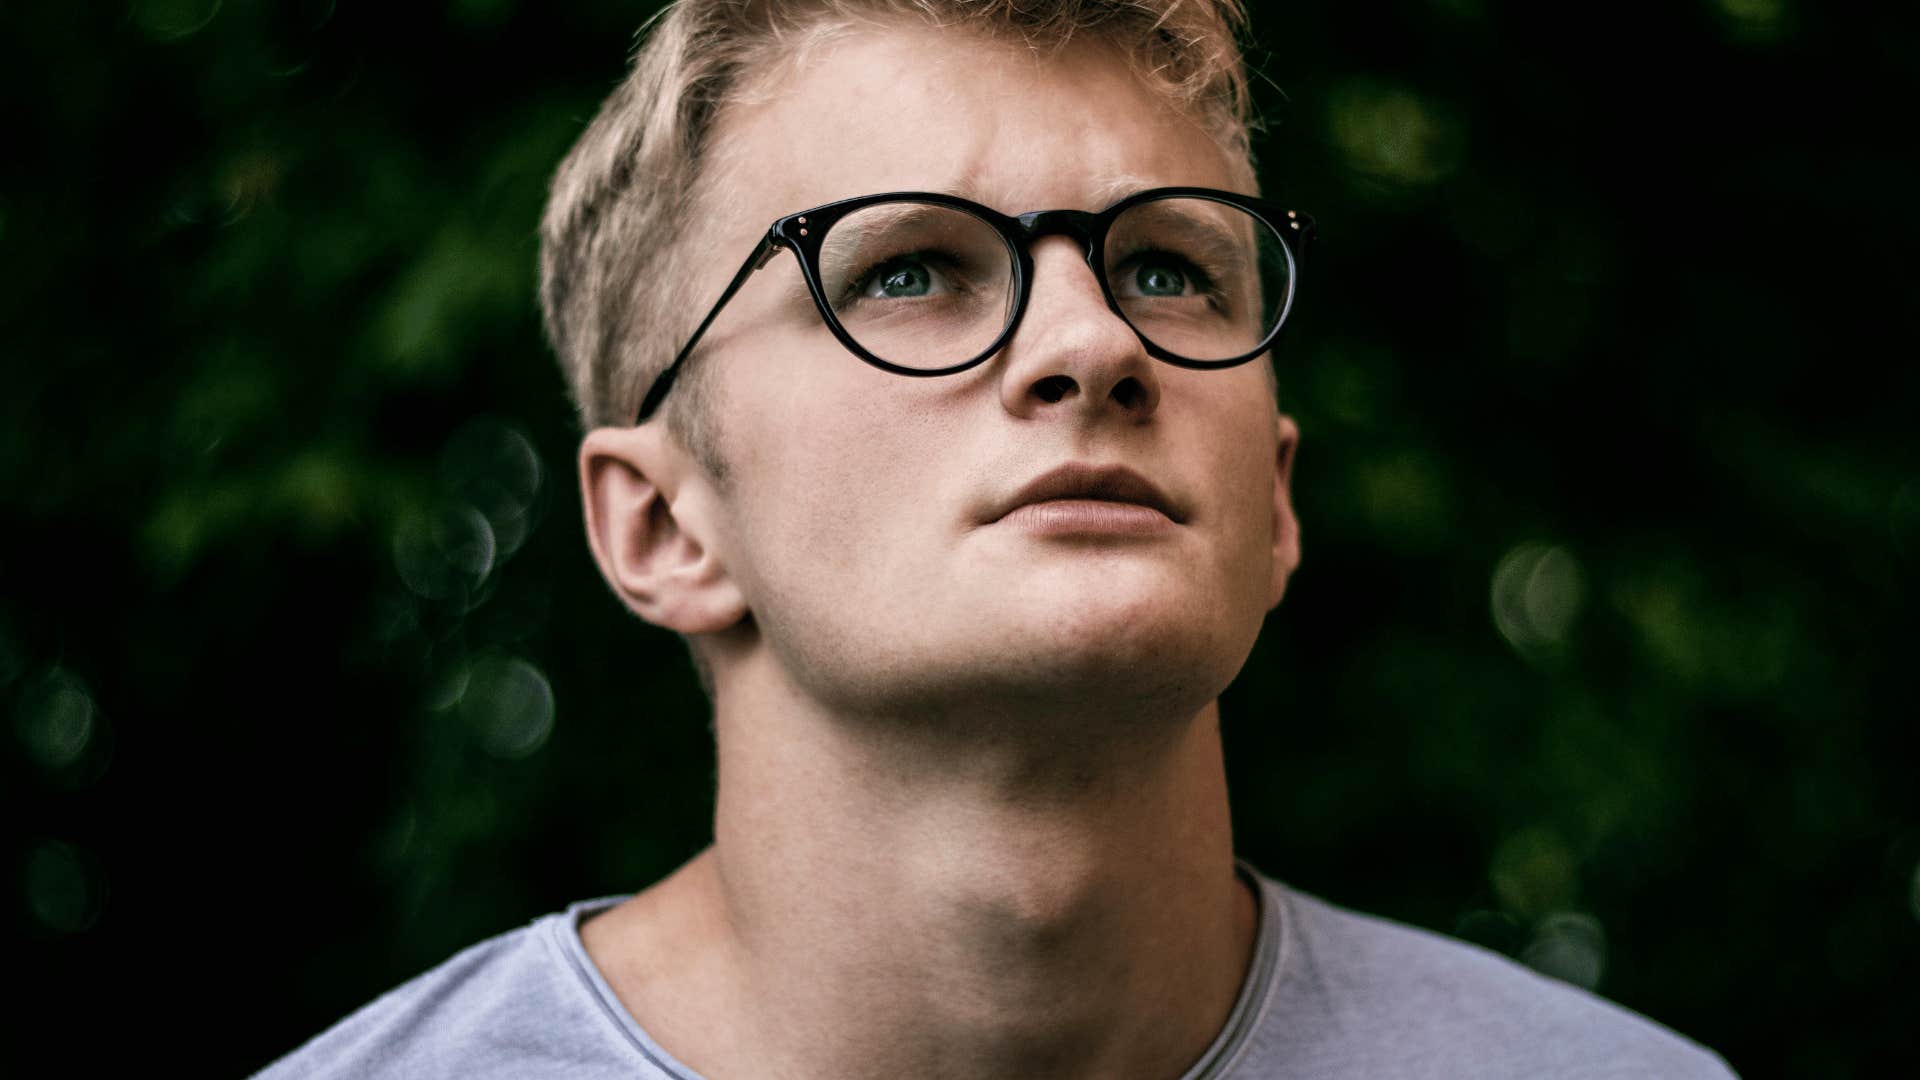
x,y
1072,355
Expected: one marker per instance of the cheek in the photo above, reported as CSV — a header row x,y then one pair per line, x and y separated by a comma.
x,y
1242,457
836,505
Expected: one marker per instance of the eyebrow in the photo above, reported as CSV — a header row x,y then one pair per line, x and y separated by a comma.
x,y
857,231
1209,233
862,223
1114,188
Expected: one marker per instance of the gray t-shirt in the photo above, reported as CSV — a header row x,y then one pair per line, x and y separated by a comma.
x,y
1331,993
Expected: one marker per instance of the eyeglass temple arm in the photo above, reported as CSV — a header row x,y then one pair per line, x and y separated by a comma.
x,y
658,392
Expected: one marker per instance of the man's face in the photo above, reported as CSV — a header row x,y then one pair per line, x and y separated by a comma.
x,y
861,519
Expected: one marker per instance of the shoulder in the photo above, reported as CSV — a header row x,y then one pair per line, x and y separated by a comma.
x,y
1411,1002
513,1005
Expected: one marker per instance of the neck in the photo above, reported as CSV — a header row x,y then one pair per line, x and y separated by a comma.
x,y
899,898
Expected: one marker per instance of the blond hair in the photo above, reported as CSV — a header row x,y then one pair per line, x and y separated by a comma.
x,y
626,198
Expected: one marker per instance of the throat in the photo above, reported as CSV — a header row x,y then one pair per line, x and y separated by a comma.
x,y
1083,931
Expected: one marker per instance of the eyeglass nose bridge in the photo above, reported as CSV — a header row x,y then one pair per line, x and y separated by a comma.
x,y
1077,224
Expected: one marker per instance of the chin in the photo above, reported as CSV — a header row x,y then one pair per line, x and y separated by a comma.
x,y
1128,636
1172,648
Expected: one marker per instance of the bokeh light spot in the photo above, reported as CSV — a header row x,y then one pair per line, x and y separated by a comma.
x,y
1756,21
509,705
1394,135
493,467
1537,592
66,890
317,490
1408,499
1495,930
171,20
1349,387
445,552
56,721
1533,872
1570,947
449,687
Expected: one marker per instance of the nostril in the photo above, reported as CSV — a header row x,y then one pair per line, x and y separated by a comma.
x,y
1129,393
1053,388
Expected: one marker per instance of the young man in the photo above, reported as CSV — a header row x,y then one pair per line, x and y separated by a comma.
x,y
968,514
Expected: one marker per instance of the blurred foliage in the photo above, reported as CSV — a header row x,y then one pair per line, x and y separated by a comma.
x,y
1601,654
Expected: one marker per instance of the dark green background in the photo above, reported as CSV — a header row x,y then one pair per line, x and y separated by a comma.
x,y
1601,653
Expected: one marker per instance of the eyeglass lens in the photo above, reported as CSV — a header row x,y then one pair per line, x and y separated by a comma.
x,y
928,287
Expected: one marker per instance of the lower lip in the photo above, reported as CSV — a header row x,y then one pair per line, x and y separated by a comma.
x,y
1088,517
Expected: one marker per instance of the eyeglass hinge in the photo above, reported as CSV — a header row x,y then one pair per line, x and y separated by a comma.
x,y
768,245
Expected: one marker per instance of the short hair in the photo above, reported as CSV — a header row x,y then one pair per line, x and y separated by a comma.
x,y
627,197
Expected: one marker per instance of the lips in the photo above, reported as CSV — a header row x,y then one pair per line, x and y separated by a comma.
x,y
1110,483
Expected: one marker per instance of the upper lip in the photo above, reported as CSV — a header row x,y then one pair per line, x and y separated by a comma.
x,y
1112,483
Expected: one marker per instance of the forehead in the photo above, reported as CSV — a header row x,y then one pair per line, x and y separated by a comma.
x,y
904,107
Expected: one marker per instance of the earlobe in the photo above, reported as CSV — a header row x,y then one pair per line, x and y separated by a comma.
x,y
1286,526
648,517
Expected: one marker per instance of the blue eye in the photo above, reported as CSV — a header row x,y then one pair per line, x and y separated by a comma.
x,y
1159,279
901,277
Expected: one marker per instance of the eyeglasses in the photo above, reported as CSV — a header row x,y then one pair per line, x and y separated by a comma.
x,y
920,284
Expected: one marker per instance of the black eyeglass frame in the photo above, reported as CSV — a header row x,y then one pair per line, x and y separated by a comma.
x,y
803,232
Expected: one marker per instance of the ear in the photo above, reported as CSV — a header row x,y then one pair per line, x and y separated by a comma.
x,y
1286,527
651,515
